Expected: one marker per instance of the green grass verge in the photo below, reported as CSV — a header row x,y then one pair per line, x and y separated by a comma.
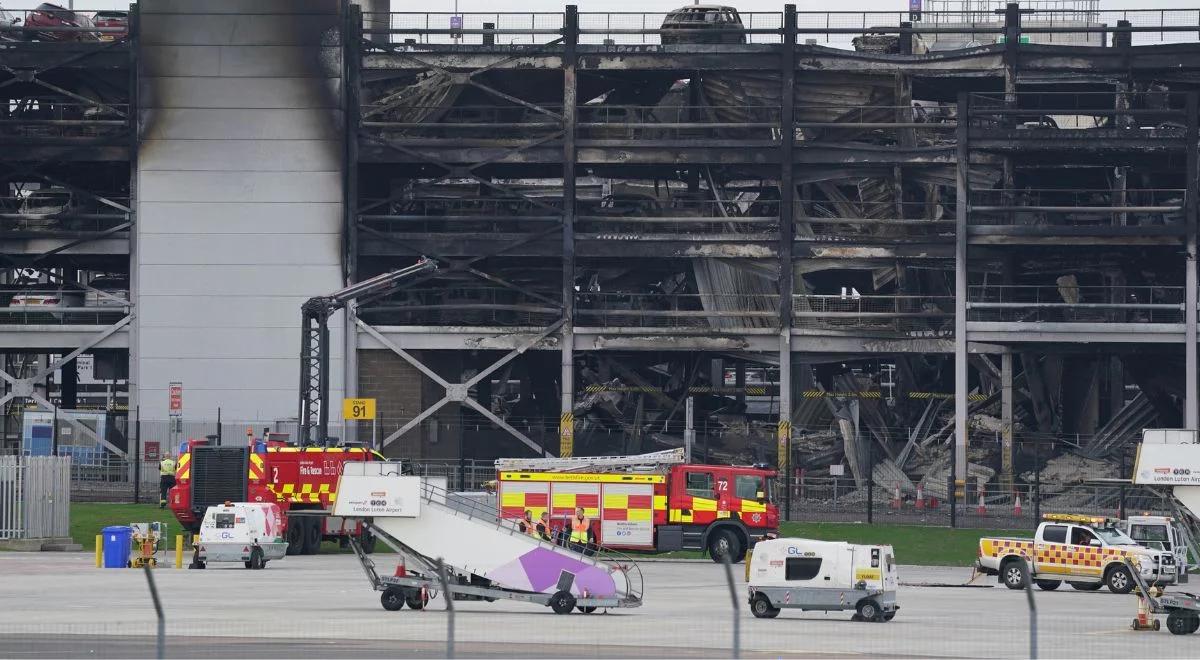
x,y
88,518
922,546
914,545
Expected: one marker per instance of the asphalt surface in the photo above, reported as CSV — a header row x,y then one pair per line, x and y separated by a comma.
x,y
59,605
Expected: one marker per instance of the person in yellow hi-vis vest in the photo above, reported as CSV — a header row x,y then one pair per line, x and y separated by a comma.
x,y
166,479
579,531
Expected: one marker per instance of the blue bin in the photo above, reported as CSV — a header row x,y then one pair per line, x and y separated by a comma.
x,y
117,541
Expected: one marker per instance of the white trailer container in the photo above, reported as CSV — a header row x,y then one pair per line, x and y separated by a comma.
x,y
249,532
822,575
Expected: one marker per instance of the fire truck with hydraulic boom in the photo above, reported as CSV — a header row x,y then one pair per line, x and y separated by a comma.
x,y
654,501
301,479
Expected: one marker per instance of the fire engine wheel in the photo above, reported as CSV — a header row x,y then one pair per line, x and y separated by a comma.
x,y
761,608
1118,580
392,599
1086,586
312,536
1183,622
724,543
415,600
1013,575
1048,585
366,541
295,535
868,610
562,602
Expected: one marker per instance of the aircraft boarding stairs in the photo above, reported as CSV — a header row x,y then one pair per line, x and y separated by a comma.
x,y
486,556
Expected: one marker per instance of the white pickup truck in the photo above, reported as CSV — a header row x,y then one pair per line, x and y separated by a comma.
x,y
1087,552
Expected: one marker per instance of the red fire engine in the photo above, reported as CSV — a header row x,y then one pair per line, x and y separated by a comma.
x,y
648,502
303,481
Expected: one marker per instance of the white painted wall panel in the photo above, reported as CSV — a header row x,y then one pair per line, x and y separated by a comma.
x,y
238,312
233,61
221,249
240,201
216,92
160,185
244,124
247,280
237,218
216,155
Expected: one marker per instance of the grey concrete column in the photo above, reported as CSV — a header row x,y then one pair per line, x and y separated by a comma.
x,y
1006,419
566,422
1190,412
375,17
960,296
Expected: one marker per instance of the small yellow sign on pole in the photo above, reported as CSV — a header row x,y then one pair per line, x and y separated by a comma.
x,y
358,408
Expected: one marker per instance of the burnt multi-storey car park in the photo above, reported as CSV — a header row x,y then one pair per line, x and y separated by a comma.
x,y
990,228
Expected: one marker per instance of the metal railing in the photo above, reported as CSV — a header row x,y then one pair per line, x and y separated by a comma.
x,y
649,310
59,315
1141,207
1071,303
907,315
461,306
837,29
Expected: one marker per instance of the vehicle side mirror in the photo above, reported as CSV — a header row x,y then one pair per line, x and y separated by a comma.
x,y
1096,543
761,496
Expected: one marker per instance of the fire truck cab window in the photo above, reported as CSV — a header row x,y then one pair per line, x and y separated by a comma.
x,y
748,487
1055,534
700,484
224,520
1081,536
802,568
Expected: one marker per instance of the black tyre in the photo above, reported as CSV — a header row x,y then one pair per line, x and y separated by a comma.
x,y
889,616
1118,580
295,535
312,536
586,610
257,561
415,600
246,564
367,542
722,544
1182,622
1048,585
869,610
562,602
762,608
1086,586
1012,574
196,565
392,599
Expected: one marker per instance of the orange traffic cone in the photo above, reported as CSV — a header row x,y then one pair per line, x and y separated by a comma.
x,y
401,569
896,502
920,497
982,508
1017,506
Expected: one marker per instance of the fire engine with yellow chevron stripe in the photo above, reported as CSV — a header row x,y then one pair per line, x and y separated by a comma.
x,y
301,480
654,501
1087,552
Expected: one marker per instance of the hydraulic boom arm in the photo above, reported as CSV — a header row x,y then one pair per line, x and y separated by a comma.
x,y
314,345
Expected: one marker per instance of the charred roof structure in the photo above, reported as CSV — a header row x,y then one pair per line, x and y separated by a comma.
x,y
935,234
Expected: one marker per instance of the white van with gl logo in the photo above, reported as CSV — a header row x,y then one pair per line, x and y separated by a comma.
x,y
822,575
